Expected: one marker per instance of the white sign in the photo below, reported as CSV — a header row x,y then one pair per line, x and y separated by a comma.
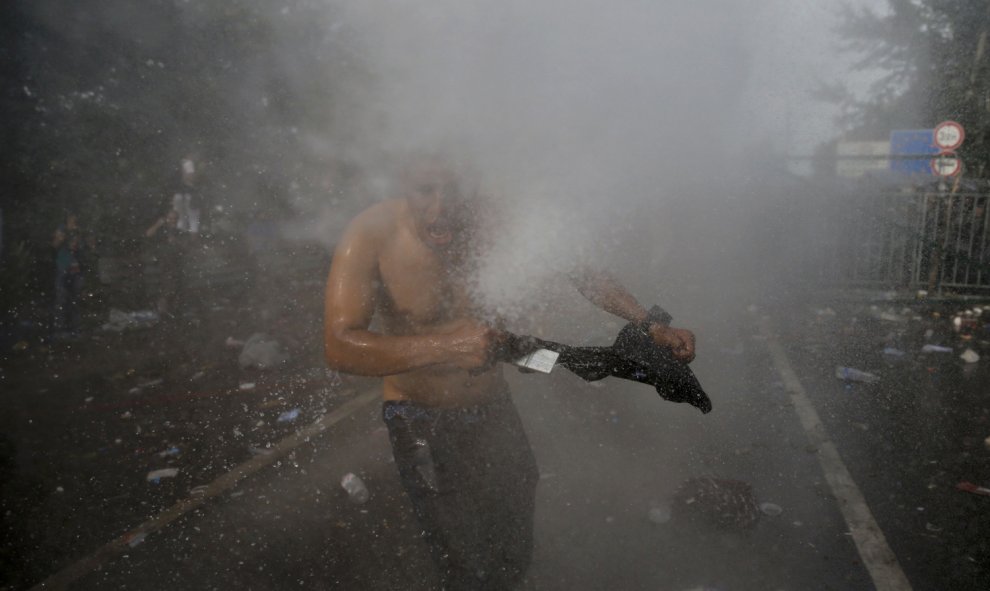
x,y
855,159
946,165
949,135
541,360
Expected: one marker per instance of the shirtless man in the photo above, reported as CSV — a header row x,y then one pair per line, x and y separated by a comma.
x,y
458,442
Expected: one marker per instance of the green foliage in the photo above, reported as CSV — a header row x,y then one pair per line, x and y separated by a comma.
x,y
926,52
111,94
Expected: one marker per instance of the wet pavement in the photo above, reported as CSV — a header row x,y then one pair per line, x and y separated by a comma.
x,y
614,459
912,437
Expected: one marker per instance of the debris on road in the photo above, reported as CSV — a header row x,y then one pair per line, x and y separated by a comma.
x,y
247,386
148,384
356,490
893,352
156,475
289,416
970,356
966,323
726,504
172,451
936,349
855,375
136,539
262,352
121,321
771,509
972,488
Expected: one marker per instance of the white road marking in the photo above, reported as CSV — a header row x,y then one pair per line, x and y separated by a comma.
x,y
876,555
63,578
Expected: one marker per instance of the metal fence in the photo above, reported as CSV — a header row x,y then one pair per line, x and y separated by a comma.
x,y
894,239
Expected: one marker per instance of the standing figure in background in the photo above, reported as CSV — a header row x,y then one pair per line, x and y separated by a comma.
x,y
186,201
71,249
168,255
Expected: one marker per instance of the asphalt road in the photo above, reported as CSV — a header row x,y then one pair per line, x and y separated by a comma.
x,y
611,456
607,455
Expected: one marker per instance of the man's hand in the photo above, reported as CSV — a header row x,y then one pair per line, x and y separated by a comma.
x,y
154,227
472,345
679,340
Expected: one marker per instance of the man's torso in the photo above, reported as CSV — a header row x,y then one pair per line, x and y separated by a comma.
x,y
425,292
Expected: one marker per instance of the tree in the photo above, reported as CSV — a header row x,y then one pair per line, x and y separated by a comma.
x,y
106,97
933,60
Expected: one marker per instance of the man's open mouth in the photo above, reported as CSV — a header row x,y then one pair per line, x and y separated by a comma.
x,y
439,234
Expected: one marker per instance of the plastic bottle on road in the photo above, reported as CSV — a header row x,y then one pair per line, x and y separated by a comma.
x,y
855,375
423,459
355,488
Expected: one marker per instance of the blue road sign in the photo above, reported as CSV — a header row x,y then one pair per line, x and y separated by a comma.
x,y
905,143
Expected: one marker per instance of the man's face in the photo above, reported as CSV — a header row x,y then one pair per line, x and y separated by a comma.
x,y
437,205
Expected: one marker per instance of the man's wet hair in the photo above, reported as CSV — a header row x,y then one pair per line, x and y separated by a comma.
x,y
465,173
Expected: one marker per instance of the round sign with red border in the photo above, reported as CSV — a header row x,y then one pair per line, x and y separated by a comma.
x,y
946,165
949,135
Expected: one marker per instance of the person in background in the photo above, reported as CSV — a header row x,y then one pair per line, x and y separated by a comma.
x,y
168,254
72,246
187,202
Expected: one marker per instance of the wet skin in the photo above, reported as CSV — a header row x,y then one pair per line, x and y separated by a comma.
x,y
405,259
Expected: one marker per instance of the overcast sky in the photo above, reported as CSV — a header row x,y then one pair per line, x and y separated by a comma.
x,y
797,47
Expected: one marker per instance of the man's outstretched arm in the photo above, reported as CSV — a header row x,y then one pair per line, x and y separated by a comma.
x,y
350,304
607,293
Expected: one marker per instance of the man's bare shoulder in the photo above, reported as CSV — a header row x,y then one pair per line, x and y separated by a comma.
x,y
376,223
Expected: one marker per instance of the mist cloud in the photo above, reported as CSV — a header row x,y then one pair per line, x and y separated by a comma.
x,y
592,122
